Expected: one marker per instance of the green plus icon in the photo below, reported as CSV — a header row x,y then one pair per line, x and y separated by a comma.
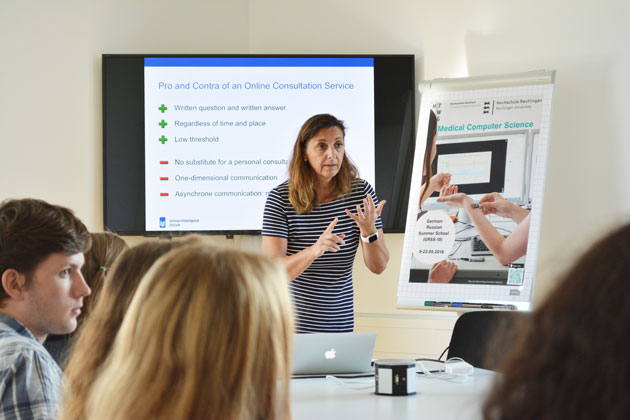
x,y
162,108
163,139
162,123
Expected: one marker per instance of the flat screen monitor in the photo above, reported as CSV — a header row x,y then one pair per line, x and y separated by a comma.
x,y
483,164
193,143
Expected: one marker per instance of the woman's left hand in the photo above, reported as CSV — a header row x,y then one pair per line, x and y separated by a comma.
x,y
439,181
456,199
366,218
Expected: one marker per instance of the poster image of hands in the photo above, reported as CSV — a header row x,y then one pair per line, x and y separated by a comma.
x,y
476,196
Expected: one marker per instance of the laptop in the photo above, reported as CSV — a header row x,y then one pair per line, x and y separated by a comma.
x,y
333,353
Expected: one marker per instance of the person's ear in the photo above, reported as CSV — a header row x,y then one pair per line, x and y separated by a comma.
x,y
14,283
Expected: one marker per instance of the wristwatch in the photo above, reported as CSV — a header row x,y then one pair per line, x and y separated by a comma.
x,y
370,238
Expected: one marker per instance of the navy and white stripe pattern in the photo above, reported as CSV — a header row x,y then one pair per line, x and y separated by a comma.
x,y
30,380
323,294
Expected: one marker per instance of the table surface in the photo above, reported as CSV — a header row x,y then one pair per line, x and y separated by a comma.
x,y
324,399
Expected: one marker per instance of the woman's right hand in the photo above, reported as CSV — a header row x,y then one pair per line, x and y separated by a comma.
x,y
494,203
449,190
328,241
442,272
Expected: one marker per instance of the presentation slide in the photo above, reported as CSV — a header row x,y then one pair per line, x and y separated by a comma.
x,y
219,131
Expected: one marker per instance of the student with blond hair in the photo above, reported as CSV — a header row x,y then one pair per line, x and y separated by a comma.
x,y
99,330
207,336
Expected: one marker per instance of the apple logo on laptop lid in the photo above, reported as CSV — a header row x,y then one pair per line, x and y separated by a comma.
x,y
330,354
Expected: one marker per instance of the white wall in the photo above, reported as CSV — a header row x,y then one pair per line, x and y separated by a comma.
x,y
50,83
50,89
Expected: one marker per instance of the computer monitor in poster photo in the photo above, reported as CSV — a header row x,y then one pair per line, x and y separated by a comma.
x,y
480,165
477,184
483,164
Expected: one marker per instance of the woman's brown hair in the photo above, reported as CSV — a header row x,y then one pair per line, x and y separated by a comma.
x,y
99,329
571,360
301,175
106,247
427,168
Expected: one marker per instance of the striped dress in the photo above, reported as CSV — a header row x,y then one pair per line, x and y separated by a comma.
x,y
323,294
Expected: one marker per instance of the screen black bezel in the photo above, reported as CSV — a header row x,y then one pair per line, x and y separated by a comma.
x,y
123,139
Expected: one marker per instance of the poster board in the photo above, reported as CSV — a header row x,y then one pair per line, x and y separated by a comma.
x,y
492,136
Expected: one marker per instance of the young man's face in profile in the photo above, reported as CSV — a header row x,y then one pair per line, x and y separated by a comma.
x,y
55,295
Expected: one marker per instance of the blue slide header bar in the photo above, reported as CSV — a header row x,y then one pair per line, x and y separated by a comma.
x,y
259,62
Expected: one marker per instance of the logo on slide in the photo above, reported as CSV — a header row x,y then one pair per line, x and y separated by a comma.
x,y
330,354
162,222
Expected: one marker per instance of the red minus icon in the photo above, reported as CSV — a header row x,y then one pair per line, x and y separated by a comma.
x,y
164,162
163,178
163,194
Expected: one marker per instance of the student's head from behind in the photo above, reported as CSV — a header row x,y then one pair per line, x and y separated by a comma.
x,y
571,360
208,335
99,329
124,276
106,247
41,255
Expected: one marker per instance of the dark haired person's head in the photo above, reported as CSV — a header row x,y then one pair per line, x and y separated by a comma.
x,y
41,254
571,360
303,175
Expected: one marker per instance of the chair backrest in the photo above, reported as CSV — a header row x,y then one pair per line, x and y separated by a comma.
x,y
474,332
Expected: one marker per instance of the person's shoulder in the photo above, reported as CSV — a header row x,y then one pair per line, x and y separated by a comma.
x,y
277,203
279,194
361,186
29,374
15,338
15,346
281,189
31,377
28,362
360,182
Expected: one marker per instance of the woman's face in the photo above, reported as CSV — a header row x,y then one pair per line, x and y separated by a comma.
x,y
324,152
